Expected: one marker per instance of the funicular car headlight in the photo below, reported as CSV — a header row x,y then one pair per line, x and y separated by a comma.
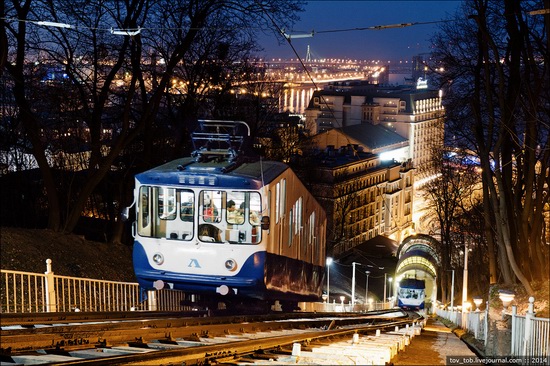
x,y
158,258
231,265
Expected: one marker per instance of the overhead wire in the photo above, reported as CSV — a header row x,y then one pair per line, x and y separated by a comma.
x,y
114,30
288,39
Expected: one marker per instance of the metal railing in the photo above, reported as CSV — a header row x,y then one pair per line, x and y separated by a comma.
x,y
474,322
25,292
530,335
82,294
22,292
477,323
342,307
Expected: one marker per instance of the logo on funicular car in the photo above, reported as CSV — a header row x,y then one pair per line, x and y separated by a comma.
x,y
194,263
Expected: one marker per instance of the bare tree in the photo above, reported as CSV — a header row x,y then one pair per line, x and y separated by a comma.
x,y
496,72
448,197
119,60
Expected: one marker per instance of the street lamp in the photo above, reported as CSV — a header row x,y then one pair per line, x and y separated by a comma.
x,y
477,301
465,277
452,287
329,262
385,280
391,280
353,284
506,297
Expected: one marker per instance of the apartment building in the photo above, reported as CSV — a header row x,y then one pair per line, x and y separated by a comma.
x,y
413,112
363,196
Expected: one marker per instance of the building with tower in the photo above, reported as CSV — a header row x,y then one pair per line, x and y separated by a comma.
x,y
413,112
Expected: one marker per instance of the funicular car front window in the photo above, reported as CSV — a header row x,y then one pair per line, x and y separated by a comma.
x,y
243,216
171,210
167,203
143,211
187,199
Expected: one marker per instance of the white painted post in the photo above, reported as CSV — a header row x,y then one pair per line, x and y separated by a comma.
x,y
452,317
476,322
514,341
51,301
528,326
296,349
152,300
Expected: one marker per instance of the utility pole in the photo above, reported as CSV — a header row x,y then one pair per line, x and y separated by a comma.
x,y
353,285
367,288
329,262
452,288
465,279
385,279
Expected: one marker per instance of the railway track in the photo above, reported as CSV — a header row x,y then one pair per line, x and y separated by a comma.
x,y
212,340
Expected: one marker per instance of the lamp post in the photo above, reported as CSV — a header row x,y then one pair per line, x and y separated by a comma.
x,y
506,297
465,277
353,284
391,280
477,301
385,279
329,262
367,287
452,287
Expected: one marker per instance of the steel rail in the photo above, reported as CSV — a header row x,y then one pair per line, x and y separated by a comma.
x,y
209,353
66,337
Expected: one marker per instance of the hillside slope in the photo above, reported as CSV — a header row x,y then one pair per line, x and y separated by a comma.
x,y
27,250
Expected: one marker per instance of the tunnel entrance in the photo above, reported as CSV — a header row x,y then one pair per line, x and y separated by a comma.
x,y
418,259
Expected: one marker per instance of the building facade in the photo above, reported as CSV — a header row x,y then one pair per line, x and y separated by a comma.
x,y
363,196
414,112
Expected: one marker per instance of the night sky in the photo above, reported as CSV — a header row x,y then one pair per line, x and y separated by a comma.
x,y
386,44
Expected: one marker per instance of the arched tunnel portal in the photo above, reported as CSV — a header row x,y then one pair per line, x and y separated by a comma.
x,y
418,259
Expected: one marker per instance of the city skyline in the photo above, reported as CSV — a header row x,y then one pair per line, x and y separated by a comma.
x,y
339,32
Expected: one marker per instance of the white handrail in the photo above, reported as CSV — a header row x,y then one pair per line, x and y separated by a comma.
x,y
530,336
26,292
